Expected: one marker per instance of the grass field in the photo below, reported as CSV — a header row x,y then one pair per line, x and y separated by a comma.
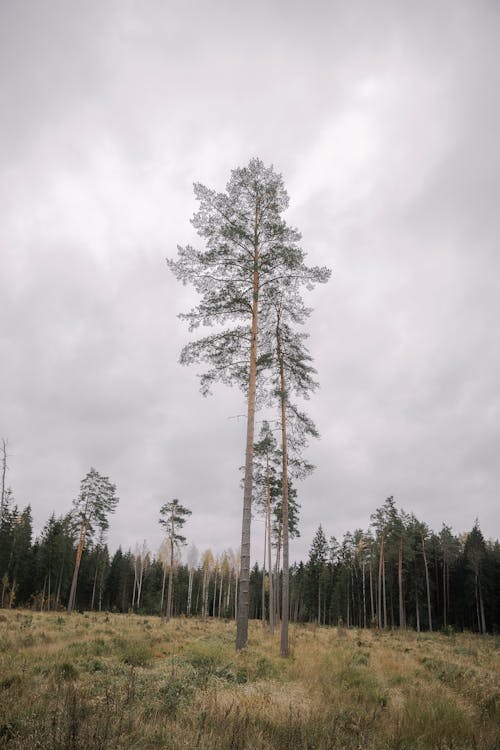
x,y
125,681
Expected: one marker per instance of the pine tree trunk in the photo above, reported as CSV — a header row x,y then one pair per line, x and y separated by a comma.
x,y
384,593
93,590
134,589
139,585
372,607
379,590
170,580
236,595
284,509
79,552
190,592
444,593
269,551
244,595
263,597
163,589
277,574
427,583
400,586
364,593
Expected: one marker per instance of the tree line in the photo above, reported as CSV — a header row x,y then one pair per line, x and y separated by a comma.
x,y
397,574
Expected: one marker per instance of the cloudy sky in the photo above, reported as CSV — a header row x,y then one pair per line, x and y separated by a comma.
x,y
383,119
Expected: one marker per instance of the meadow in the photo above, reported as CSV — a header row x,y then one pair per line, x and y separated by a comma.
x,y
96,681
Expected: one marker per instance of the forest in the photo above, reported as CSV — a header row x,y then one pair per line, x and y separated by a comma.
x,y
397,574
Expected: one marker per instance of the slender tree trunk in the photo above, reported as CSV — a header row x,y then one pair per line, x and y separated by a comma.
x,y
348,613
163,588
190,592
215,594
269,552
427,583
134,589
284,509
319,602
481,621
79,552
221,584
236,595
244,597
101,588
400,586
4,470
384,592
277,574
263,593
364,592
170,579
417,611
197,598
59,584
139,585
380,575
372,607
49,592
444,593
94,589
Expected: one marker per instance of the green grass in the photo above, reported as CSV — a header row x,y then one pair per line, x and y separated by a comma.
x,y
98,682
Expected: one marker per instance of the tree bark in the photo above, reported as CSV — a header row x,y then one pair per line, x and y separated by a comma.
x,y
170,577
244,584
79,552
284,509
268,529
379,590
429,613
263,593
400,586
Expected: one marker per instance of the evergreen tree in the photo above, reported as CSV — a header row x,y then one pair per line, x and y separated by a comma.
x,y
316,566
91,508
249,246
173,516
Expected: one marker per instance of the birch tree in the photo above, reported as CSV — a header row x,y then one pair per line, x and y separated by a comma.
x,y
97,499
3,490
248,246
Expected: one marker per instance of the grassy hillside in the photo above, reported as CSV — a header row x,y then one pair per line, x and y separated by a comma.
x,y
96,681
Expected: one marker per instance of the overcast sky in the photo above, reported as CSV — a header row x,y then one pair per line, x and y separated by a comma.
x,y
383,118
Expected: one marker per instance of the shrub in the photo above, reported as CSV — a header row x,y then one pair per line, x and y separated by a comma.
x,y
137,653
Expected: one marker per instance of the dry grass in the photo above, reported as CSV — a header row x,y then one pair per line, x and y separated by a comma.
x,y
122,681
